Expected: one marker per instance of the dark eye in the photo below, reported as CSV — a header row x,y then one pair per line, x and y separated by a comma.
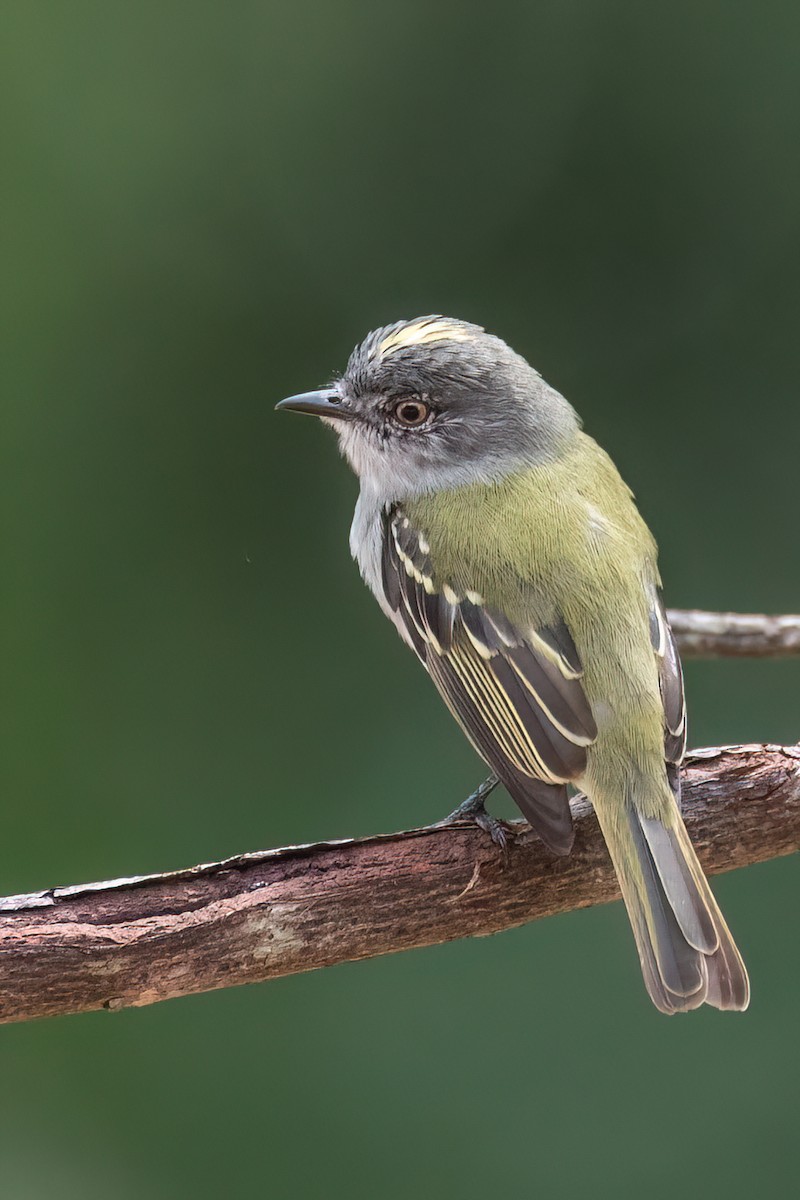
x,y
411,412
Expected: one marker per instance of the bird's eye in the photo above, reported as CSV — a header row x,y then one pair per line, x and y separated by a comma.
x,y
411,412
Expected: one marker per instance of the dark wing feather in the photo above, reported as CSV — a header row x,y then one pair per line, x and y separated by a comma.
x,y
670,678
544,805
517,694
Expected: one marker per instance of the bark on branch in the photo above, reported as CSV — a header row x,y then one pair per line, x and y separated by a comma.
x,y
276,912
741,635
262,915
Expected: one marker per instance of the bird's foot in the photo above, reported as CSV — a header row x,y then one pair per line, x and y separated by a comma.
x,y
474,809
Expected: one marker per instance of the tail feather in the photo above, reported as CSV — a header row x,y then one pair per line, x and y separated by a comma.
x,y
687,954
728,985
682,880
687,993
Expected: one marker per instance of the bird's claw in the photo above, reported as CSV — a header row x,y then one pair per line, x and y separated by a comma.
x,y
496,829
473,809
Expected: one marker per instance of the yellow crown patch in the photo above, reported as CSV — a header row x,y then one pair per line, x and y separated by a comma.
x,y
418,333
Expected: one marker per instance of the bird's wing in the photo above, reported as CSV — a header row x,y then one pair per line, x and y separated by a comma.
x,y
517,694
670,678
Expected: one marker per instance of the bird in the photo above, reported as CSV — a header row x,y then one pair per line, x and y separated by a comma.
x,y
501,542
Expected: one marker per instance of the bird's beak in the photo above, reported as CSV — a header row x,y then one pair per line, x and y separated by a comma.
x,y
326,403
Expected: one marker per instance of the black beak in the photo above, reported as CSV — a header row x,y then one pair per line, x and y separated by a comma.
x,y
326,403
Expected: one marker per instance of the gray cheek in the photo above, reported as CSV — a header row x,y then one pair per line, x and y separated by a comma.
x,y
383,465
359,448
395,468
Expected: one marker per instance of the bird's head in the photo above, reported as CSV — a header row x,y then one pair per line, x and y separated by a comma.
x,y
435,403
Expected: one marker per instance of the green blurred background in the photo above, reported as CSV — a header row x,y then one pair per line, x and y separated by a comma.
x,y
205,206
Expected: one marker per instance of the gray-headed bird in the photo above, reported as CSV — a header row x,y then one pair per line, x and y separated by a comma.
x,y
502,543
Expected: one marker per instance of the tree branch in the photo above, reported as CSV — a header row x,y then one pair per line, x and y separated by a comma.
x,y
277,912
741,635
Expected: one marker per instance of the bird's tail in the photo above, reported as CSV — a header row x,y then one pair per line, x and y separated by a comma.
x,y
687,954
